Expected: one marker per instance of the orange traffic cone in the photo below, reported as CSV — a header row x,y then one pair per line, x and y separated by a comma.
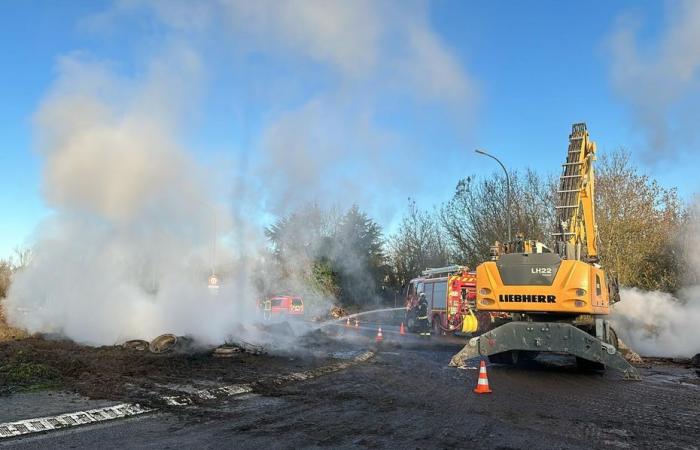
x,y
347,323
380,336
402,330
482,386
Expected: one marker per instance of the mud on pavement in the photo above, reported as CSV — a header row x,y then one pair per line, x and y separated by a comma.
x,y
120,373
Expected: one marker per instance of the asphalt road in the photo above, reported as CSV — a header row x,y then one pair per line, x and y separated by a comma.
x,y
407,397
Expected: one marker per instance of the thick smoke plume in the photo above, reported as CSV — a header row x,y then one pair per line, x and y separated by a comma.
x,y
130,245
660,324
137,224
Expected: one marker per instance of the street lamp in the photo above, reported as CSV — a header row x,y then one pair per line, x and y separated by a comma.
x,y
481,152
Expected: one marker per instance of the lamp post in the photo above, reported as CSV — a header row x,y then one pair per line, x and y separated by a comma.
x,y
482,152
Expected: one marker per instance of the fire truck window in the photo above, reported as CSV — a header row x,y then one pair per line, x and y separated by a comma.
x,y
276,302
297,302
440,295
598,289
419,288
429,293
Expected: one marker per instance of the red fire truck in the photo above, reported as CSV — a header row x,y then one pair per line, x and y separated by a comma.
x,y
451,293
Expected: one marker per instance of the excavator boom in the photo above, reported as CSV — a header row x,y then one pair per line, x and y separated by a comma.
x,y
576,209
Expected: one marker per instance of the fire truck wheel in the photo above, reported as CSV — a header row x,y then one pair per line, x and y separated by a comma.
x,y
411,322
437,330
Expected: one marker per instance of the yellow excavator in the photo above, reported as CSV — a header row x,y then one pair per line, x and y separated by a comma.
x,y
558,300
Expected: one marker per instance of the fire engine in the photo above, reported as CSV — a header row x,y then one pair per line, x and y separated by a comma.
x,y
451,295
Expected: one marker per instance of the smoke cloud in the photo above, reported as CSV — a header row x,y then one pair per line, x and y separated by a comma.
x,y
660,324
327,143
660,82
138,224
128,250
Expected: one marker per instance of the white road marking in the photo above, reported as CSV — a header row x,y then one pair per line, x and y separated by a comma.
x,y
41,424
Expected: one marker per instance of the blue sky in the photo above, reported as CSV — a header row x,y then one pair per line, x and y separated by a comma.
x,y
525,70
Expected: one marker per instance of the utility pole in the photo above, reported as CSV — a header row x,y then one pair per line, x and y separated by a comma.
x,y
482,152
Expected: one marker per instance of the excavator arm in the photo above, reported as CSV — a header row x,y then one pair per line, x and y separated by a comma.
x,y
576,196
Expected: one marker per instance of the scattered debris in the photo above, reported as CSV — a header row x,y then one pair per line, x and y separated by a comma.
x,y
335,313
136,344
230,348
629,354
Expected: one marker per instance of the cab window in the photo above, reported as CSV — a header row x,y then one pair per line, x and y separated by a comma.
x,y
428,291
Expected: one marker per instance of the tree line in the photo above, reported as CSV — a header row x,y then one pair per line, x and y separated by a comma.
x,y
348,256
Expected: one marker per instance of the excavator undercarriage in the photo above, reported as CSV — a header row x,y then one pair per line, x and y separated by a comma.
x,y
517,341
559,300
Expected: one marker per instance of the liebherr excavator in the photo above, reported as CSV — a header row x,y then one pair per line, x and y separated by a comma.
x,y
558,300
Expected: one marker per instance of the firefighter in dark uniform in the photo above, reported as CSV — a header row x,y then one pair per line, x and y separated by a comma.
x,y
422,317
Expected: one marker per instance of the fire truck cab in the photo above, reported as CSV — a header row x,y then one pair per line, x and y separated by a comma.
x,y
451,295
448,291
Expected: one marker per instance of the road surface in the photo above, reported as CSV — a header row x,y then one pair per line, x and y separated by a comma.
x,y
407,397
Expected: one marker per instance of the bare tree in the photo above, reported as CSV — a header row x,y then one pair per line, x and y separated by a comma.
x,y
476,216
5,277
419,243
640,224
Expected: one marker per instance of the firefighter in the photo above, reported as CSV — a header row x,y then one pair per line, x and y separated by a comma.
x,y
422,317
267,309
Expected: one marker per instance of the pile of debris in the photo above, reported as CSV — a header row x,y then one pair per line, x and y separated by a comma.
x,y
335,313
170,343
165,343
230,348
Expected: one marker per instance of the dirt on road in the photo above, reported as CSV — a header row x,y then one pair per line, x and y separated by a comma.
x,y
127,374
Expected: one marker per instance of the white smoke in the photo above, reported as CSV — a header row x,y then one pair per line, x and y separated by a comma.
x,y
658,323
127,252
327,143
136,219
